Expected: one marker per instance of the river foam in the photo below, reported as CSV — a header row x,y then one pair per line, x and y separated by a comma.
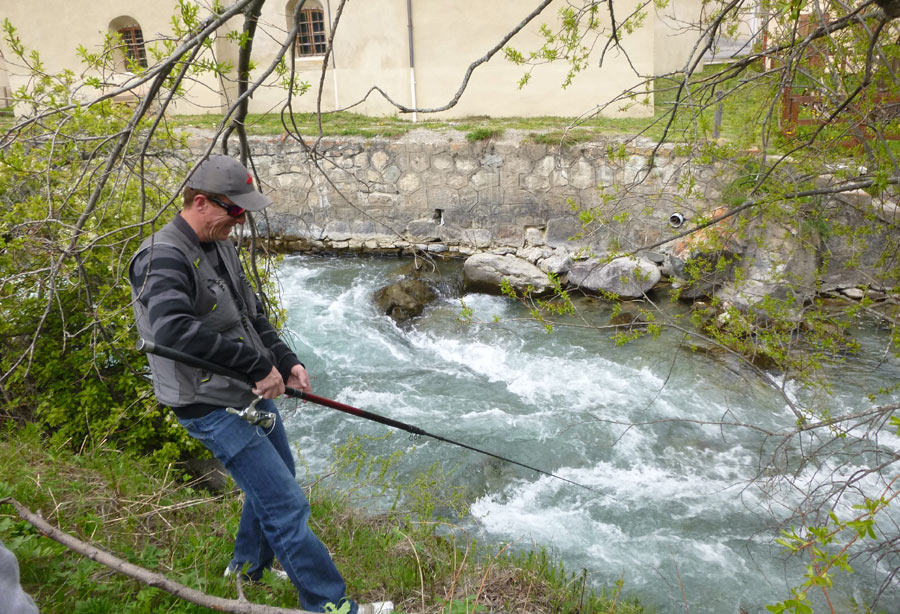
x,y
671,505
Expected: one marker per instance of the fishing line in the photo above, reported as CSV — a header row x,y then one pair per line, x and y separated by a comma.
x,y
172,354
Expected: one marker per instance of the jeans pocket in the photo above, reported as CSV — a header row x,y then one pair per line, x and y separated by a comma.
x,y
223,434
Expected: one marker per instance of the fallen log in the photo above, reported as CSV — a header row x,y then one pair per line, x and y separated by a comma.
x,y
156,580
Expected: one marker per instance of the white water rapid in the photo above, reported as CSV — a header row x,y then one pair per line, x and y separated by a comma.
x,y
675,510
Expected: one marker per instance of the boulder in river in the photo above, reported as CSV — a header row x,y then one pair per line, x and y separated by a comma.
x,y
404,299
628,277
486,272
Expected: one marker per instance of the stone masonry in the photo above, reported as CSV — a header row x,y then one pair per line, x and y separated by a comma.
x,y
440,193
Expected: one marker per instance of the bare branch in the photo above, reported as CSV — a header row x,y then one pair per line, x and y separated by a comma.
x,y
141,574
468,74
753,202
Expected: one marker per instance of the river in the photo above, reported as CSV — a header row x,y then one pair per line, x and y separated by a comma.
x,y
670,508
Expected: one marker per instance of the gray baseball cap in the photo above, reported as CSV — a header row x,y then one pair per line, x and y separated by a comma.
x,y
220,174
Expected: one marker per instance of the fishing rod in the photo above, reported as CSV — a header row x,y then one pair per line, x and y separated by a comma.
x,y
149,347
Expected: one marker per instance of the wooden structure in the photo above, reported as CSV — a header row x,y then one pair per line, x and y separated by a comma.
x,y
809,106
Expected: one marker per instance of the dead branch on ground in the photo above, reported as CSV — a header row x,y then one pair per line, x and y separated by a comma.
x,y
141,574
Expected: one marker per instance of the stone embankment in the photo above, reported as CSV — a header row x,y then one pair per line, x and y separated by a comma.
x,y
439,193
516,209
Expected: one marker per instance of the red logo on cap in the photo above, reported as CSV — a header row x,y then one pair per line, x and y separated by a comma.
x,y
249,179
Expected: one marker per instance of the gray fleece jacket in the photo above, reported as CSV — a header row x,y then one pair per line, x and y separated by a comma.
x,y
13,600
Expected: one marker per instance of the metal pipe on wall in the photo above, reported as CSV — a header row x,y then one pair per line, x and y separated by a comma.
x,y
412,62
337,104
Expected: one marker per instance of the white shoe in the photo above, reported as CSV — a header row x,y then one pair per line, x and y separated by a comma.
x,y
376,607
280,574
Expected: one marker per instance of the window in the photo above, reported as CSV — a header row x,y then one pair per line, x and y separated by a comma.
x,y
133,41
311,35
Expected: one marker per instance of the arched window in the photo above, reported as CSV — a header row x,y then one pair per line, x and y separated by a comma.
x,y
133,52
133,39
311,34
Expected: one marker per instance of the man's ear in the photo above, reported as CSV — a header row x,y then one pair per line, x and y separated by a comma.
x,y
200,201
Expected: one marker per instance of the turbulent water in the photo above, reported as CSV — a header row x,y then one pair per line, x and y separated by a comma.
x,y
669,509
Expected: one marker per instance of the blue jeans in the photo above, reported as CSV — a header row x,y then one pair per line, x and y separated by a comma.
x,y
275,514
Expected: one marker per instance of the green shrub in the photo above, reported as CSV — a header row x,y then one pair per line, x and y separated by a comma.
x,y
482,134
66,326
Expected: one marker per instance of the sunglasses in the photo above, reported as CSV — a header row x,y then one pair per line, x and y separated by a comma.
x,y
232,209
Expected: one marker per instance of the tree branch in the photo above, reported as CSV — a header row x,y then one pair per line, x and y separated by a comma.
x,y
141,574
752,202
468,75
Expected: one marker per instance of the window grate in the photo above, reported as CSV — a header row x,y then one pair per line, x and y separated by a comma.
x,y
133,40
311,35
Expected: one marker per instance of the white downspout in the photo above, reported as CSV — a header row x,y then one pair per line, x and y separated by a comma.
x,y
334,78
412,62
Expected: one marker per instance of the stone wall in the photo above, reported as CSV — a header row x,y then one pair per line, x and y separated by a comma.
x,y
524,203
444,194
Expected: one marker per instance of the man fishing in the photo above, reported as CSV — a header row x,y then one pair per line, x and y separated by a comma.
x,y
190,293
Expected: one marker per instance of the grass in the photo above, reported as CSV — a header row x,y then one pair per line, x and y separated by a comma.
x,y
154,518
543,129
738,112
7,118
333,124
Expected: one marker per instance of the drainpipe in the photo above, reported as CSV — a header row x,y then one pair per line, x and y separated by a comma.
x,y
412,63
334,78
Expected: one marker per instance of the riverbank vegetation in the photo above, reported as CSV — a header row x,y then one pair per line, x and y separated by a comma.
x,y
153,517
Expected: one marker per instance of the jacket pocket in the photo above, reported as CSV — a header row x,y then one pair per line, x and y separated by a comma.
x,y
218,310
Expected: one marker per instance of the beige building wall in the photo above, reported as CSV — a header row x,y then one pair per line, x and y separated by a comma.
x,y
675,42
372,49
460,42
56,28
677,33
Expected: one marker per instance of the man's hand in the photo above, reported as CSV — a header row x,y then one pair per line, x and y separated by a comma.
x,y
299,378
271,386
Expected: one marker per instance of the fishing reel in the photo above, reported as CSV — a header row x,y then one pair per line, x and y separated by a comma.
x,y
256,417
